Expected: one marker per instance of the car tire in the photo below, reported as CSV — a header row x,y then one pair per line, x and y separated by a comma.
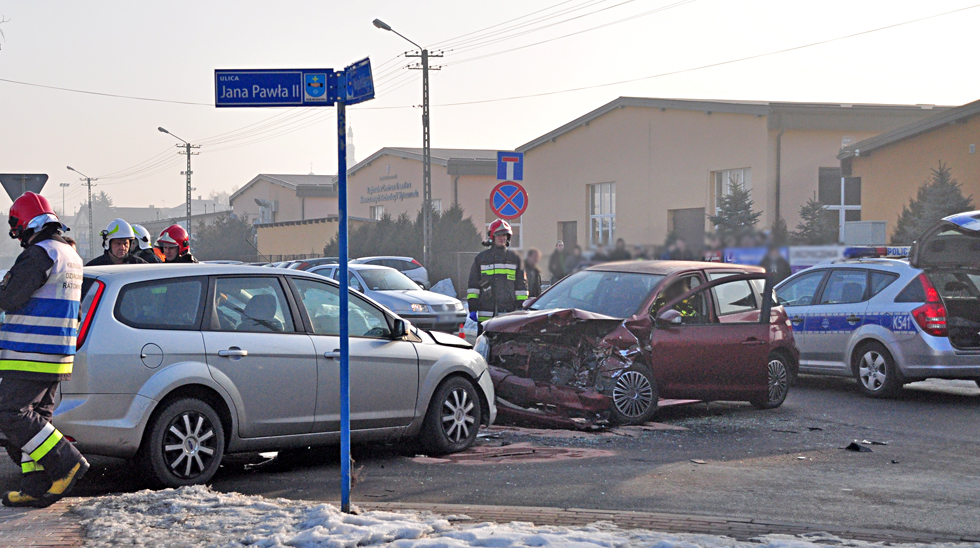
x,y
453,418
778,379
875,371
183,444
634,396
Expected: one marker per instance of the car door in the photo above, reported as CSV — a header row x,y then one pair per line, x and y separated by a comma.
x,y
255,350
384,372
796,296
838,311
710,358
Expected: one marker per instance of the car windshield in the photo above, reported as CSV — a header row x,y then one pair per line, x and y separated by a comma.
x,y
616,294
386,280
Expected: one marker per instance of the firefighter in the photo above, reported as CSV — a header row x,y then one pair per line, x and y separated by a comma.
x,y
497,284
117,239
689,308
175,245
144,247
40,295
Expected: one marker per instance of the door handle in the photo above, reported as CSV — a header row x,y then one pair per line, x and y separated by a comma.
x,y
853,319
335,354
752,341
233,353
796,319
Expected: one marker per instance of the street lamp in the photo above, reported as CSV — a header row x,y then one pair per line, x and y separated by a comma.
x,y
187,150
63,187
426,151
91,222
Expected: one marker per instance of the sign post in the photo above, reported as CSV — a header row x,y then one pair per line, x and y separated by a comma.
x,y
313,88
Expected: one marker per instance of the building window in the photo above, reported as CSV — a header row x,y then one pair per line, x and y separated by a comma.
x,y
437,205
515,224
725,179
602,214
842,201
377,212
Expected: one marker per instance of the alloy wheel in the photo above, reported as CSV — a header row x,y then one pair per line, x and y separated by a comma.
x,y
189,444
872,371
778,380
458,417
633,394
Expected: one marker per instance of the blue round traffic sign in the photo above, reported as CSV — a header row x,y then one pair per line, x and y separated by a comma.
x,y
508,200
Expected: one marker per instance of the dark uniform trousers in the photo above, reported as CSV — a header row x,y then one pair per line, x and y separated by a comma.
x,y
35,445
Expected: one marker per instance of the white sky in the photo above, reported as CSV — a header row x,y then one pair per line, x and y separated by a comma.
x,y
169,50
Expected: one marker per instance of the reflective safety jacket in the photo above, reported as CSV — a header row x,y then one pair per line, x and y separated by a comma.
x,y
41,295
497,284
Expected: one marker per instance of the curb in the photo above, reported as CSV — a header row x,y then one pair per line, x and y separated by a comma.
x,y
738,528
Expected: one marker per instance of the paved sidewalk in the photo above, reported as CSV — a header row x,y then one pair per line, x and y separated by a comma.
x,y
52,526
738,528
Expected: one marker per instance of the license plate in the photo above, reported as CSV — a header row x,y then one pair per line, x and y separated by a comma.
x,y
447,318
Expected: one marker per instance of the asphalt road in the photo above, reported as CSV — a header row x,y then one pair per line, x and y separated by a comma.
x,y
784,465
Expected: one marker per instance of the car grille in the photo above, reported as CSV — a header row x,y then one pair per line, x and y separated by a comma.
x,y
443,308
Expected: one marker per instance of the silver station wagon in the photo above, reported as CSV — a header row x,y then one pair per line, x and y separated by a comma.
x,y
180,364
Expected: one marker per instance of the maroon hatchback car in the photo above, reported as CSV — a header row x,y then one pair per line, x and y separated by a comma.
x,y
603,345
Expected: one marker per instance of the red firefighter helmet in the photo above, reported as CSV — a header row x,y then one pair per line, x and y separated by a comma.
x,y
30,212
175,235
500,226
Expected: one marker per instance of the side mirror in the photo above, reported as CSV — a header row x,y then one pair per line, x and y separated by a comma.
x,y
529,302
398,329
420,284
670,317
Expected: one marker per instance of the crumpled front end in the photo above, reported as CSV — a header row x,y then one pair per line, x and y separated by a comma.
x,y
557,368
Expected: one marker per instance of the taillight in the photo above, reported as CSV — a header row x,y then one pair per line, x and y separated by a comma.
x,y
931,316
416,262
89,314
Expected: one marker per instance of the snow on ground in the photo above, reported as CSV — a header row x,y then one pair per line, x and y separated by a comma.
x,y
196,516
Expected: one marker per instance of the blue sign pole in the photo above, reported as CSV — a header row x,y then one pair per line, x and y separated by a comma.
x,y
344,312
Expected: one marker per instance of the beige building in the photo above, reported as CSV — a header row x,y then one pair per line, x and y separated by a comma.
x,y
889,168
639,168
271,198
294,239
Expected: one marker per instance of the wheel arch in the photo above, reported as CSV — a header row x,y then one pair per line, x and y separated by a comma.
x,y
855,354
201,392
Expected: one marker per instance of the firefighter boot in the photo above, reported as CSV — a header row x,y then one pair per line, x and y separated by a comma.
x,y
62,486
18,499
33,486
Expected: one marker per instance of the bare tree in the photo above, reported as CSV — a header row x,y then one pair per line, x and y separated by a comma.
x,y
3,19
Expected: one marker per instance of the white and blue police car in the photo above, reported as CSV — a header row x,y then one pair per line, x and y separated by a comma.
x,y
888,322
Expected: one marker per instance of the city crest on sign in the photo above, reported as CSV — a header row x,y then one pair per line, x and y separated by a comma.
x,y
316,86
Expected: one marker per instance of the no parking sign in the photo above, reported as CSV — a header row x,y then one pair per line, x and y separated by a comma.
x,y
508,200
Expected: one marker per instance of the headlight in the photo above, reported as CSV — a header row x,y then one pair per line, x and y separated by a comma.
x,y
459,305
419,307
482,347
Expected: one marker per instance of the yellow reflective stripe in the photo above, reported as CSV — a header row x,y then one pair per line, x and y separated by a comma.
x,y
520,298
472,295
35,367
495,271
31,466
48,444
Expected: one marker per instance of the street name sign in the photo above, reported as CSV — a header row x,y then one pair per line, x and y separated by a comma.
x,y
317,87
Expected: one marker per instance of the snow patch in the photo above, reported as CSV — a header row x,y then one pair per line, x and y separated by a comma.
x,y
196,516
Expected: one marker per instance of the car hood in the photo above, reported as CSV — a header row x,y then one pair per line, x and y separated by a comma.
x,y
415,296
953,242
552,321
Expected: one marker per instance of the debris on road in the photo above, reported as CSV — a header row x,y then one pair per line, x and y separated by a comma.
x,y
513,453
874,442
699,461
857,447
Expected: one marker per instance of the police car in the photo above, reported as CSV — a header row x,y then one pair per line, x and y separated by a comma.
x,y
888,322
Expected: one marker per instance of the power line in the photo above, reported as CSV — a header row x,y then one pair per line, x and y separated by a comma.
x,y
87,92
449,40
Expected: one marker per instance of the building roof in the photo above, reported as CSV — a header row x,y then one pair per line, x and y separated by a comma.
x,y
291,182
440,156
327,219
780,113
925,125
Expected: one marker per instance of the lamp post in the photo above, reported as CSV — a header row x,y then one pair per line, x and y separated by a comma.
x,y
426,151
63,187
91,222
187,151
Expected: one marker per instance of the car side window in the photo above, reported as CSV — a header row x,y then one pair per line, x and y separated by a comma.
x,y
173,303
322,303
256,305
881,280
800,291
734,297
845,286
692,310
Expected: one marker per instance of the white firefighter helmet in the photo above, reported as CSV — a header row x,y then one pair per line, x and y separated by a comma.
x,y
118,229
142,237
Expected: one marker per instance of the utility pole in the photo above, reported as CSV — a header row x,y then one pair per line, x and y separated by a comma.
x,y
188,151
63,187
426,154
91,221
424,54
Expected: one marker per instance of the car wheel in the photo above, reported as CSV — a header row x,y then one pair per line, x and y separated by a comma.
x,y
183,445
453,418
876,373
634,396
778,375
